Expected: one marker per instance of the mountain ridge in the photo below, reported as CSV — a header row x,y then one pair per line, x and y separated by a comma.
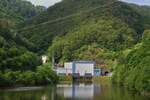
x,y
50,28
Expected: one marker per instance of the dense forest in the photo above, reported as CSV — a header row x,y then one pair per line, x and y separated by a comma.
x,y
18,10
62,21
133,66
110,32
18,62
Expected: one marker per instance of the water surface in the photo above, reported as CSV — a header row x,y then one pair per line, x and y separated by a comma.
x,y
71,92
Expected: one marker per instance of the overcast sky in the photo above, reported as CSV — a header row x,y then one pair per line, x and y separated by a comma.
x,y
140,2
48,3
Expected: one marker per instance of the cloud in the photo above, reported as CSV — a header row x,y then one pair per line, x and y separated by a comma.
x,y
46,3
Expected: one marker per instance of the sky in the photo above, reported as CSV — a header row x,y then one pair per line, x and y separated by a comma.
x,y
140,2
48,3
45,3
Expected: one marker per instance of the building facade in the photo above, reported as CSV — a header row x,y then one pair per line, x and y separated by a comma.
x,y
77,67
82,68
97,72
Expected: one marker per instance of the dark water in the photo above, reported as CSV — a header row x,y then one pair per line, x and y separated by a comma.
x,y
70,92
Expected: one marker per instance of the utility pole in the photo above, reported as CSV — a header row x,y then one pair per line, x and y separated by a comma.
x,y
53,61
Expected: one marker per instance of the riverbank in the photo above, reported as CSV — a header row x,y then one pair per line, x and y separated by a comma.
x,y
99,79
92,91
102,79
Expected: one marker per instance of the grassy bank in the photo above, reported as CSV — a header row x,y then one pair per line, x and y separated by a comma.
x,y
102,79
65,79
99,79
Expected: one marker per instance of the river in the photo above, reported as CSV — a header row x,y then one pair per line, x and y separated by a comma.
x,y
71,92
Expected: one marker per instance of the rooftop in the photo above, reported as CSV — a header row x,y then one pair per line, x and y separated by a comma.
x,y
83,61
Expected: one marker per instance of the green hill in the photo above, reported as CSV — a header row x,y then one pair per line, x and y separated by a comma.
x,y
15,50
67,15
18,10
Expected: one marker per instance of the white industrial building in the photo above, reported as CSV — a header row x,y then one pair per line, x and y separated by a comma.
x,y
77,67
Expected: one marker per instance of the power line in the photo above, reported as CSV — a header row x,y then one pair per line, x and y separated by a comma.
x,y
66,17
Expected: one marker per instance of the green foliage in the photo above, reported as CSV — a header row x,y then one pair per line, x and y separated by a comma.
x,y
41,76
17,63
65,79
26,78
13,51
18,10
106,33
3,80
134,71
146,37
144,11
17,59
99,30
64,17
66,8
46,74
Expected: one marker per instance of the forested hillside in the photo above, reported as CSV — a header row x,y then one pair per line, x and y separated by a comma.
x,y
12,48
18,64
106,33
16,51
133,66
44,28
18,10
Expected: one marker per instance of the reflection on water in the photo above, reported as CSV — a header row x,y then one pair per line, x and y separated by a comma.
x,y
76,91
70,92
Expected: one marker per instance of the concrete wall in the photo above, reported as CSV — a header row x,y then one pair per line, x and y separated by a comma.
x,y
68,67
83,68
61,71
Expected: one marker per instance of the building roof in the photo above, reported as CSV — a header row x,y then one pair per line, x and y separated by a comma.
x,y
83,61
